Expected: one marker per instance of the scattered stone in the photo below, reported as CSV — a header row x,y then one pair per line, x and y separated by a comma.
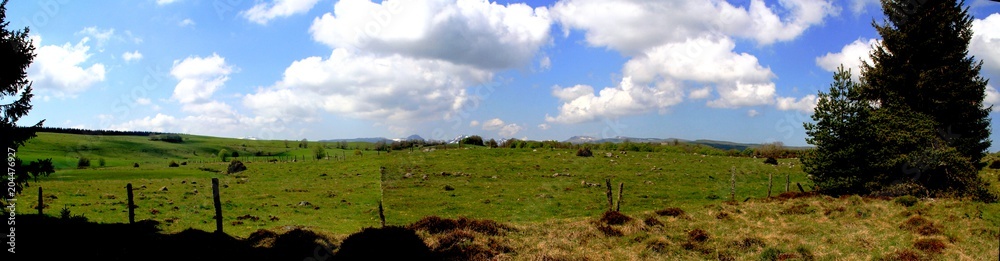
x,y
448,188
184,181
194,182
407,175
445,174
424,177
304,203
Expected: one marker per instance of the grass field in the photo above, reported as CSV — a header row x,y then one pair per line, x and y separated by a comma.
x,y
541,193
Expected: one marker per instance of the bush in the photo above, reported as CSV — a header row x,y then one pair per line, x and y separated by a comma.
x,y
995,164
235,167
584,152
101,162
906,201
172,138
771,160
319,152
135,165
173,164
357,152
83,163
223,155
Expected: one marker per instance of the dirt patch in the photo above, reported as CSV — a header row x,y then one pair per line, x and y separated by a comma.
x,y
670,212
614,218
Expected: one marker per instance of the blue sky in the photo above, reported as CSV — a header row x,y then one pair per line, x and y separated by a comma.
x,y
744,71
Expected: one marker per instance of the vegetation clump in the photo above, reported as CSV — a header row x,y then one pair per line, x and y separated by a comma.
x,y
671,212
614,218
906,201
235,166
584,152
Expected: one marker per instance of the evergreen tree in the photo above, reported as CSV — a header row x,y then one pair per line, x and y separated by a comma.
x,y
17,52
924,66
915,124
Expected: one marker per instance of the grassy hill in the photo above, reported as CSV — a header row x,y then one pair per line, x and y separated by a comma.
x,y
546,196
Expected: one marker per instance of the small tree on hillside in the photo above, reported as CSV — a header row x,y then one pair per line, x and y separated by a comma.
x,y
319,152
223,155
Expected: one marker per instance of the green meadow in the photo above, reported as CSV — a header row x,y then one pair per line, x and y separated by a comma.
x,y
551,199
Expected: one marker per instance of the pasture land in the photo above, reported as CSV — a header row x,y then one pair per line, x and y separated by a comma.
x,y
545,195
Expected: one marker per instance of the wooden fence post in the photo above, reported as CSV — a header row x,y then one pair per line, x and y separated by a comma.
x,y
610,203
621,187
131,205
218,205
788,181
732,181
800,187
770,183
41,202
381,214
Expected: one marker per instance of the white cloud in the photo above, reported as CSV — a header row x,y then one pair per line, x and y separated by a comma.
x,y
571,93
101,36
474,123
678,45
199,78
393,90
186,22
133,38
60,69
544,126
165,2
702,93
470,32
622,100
132,56
985,44
494,124
752,113
204,124
632,26
545,63
262,13
143,101
850,56
510,130
805,104
859,6
992,98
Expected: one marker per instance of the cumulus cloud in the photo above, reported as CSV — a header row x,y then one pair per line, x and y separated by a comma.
x,y
612,102
102,36
474,123
510,130
805,104
62,69
677,48
752,113
985,44
544,126
469,32
199,77
394,90
851,56
493,124
132,56
262,13
632,26
992,98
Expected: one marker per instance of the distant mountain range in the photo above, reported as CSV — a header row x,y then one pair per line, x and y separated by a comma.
x,y
725,145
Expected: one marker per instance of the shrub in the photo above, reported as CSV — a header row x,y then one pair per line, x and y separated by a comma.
x,y
584,152
173,164
235,167
771,160
319,152
223,155
172,138
995,164
101,162
82,163
770,253
906,201
135,165
357,152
